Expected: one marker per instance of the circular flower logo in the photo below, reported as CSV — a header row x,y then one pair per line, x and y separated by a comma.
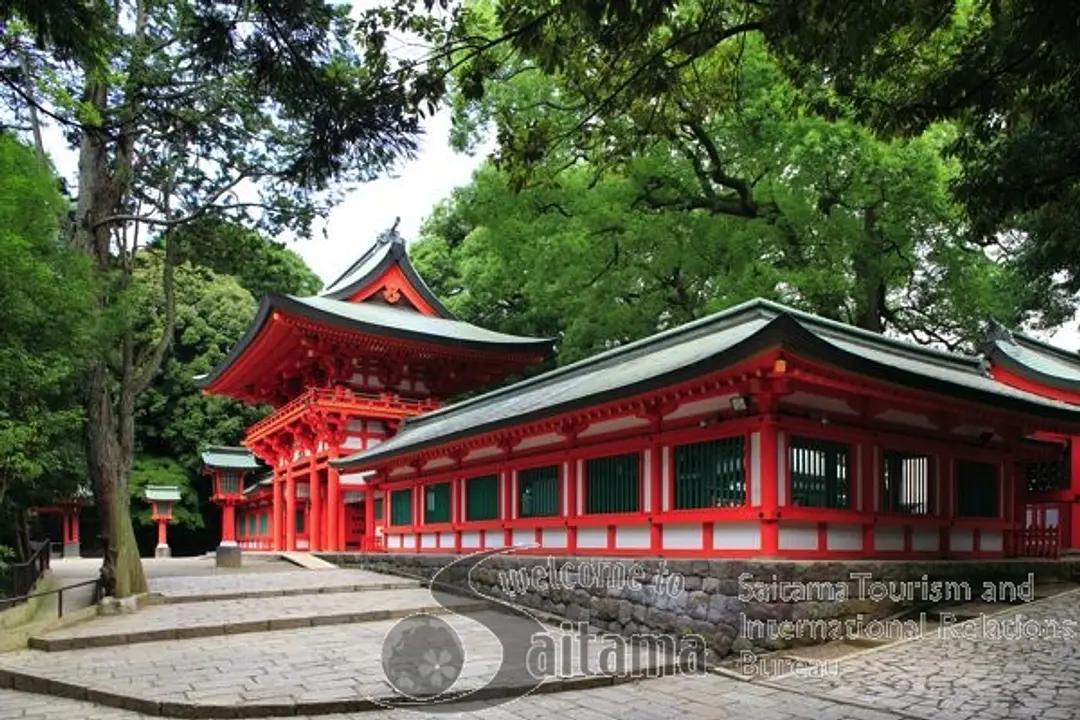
x,y
422,656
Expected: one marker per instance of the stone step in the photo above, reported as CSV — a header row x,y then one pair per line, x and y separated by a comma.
x,y
174,590
231,617
309,671
307,561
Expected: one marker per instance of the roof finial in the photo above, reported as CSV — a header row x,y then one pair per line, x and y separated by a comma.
x,y
393,228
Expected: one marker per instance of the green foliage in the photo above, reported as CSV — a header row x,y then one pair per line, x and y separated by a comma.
x,y
45,336
260,264
164,471
736,192
174,419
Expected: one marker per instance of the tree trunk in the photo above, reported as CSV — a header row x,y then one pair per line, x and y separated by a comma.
x,y
108,455
122,571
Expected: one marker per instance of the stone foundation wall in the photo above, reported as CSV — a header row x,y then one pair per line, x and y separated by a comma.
x,y
734,605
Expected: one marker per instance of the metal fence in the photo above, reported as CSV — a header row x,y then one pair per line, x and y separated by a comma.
x,y
20,578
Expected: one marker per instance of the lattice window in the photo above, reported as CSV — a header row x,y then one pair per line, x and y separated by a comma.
x,y
1047,476
612,484
482,498
905,483
976,489
230,483
401,507
437,503
264,524
538,491
819,473
711,474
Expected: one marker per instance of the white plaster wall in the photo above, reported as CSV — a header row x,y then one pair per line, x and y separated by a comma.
x,y
483,452
525,537
888,538
844,537
666,477
961,540
408,541
737,536
493,538
470,539
755,468
592,537
393,541
633,536
991,541
798,537
429,540
553,537
925,539
685,536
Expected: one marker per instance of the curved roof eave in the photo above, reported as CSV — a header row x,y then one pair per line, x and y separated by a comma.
x,y
784,330
542,347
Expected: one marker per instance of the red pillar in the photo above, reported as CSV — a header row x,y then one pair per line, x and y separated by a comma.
x,y
275,518
1073,507
770,485
369,515
868,509
162,523
290,509
228,523
573,510
74,525
656,490
333,506
66,531
315,498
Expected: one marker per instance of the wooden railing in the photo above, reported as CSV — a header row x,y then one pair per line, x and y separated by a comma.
x,y
384,405
1044,542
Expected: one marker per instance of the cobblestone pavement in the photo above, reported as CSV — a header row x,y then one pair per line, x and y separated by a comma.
x,y
1022,664
246,615
963,673
704,697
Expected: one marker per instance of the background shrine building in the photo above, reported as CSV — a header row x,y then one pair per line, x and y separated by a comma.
x,y
757,431
342,370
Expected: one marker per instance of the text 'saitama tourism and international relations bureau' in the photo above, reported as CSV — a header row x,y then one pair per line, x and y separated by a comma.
x,y
760,431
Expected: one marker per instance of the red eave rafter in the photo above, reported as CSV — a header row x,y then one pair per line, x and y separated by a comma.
x,y
851,384
1021,383
283,335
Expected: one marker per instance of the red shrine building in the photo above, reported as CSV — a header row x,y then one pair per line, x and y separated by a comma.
x,y
342,371
757,431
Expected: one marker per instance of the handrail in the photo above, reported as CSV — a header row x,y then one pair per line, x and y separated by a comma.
x,y
25,575
59,592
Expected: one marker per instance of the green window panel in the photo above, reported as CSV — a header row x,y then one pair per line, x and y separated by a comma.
x,y
437,503
976,489
612,484
264,524
378,508
711,474
482,498
819,473
230,483
251,524
299,522
538,492
401,507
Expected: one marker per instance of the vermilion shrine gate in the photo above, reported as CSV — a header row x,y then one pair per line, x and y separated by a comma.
x,y
758,431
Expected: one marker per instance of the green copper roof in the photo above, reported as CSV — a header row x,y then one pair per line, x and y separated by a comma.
x,y
705,346
162,493
1033,359
230,458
